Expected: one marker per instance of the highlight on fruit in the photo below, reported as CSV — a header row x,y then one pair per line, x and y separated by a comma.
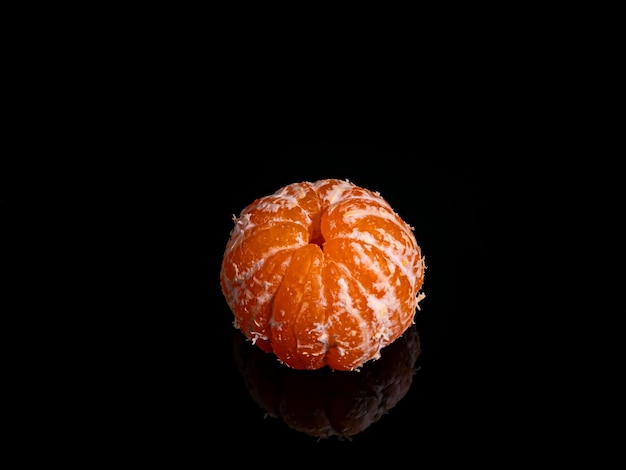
x,y
322,274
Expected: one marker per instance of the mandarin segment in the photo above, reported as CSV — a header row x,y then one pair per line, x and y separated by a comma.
x,y
299,325
322,274
385,290
352,324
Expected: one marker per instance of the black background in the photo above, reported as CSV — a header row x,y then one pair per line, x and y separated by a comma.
x,y
133,152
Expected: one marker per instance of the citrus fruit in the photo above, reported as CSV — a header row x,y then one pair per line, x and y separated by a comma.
x,y
322,273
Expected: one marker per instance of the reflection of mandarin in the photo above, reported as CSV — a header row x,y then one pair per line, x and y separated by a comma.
x,y
323,402
322,273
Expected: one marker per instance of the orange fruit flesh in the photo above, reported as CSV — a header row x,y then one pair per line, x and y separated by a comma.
x,y
322,274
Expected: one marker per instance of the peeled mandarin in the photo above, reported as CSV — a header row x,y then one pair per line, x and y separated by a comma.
x,y
322,274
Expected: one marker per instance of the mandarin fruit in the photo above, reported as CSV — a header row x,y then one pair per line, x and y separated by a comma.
x,y
322,273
